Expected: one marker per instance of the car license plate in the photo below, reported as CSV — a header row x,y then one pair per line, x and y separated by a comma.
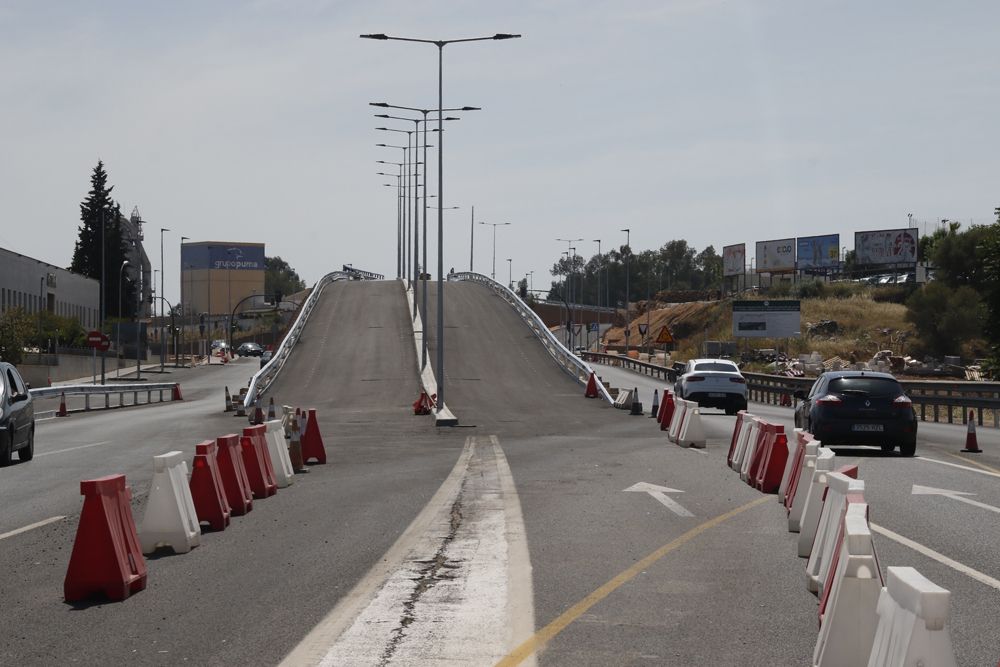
x,y
716,395
869,428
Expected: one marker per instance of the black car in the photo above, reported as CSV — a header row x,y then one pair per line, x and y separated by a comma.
x,y
249,350
859,408
17,416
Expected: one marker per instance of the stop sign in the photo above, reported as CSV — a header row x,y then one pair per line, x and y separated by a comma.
x,y
97,340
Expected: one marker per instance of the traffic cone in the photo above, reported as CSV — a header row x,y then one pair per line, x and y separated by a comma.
x,y
62,412
229,401
295,444
591,386
636,408
175,395
971,445
270,410
257,415
241,410
654,408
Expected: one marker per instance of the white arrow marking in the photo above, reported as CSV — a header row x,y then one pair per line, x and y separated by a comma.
x,y
954,495
660,493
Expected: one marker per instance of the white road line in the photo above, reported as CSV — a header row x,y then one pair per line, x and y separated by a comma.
x,y
957,465
934,555
37,524
73,449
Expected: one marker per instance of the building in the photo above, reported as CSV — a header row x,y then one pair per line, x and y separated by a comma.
x,y
33,285
136,255
218,277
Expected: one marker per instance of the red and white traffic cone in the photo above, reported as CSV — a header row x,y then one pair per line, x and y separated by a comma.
x,y
971,445
62,412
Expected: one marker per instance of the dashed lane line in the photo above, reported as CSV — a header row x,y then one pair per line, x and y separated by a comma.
x,y
32,526
73,449
939,557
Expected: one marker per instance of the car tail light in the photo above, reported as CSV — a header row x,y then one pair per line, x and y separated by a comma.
x,y
695,378
903,399
738,380
829,399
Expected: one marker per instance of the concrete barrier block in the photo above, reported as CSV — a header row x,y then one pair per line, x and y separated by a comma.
x,y
801,486
170,518
692,433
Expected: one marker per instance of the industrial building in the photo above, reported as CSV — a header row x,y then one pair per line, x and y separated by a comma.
x,y
34,285
218,277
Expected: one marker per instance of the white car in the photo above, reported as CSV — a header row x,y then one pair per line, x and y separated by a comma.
x,y
713,383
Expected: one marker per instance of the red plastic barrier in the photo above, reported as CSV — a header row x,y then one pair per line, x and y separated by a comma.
x,y
207,490
765,433
736,437
312,441
666,410
106,556
234,475
802,439
257,462
773,465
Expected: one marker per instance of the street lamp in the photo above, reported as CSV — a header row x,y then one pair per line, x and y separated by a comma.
x,y
600,262
406,170
118,336
493,273
186,300
440,44
399,217
628,250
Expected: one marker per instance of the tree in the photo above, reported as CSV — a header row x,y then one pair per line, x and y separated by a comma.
x,y
945,317
281,278
15,328
959,256
96,210
990,252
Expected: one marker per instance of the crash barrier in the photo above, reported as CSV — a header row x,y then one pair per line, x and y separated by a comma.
x,y
569,362
170,519
860,621
263,378
624,361
226,475
163,391
362,275
690,432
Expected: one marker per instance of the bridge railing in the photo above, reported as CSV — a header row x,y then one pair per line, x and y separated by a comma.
x,y
363,275
107,391
933,400
568,361
263,378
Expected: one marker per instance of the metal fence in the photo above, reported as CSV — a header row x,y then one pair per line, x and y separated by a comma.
x,y
108,390
568,361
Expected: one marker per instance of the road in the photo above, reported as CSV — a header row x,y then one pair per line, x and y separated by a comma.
x,y
519,536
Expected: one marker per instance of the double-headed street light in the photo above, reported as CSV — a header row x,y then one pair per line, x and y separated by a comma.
x,y
440,44
494,225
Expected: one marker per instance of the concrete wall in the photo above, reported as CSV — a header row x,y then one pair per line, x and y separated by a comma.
x,y
68,367
33,284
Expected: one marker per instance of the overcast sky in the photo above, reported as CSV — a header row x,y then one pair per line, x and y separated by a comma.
x,y
716,122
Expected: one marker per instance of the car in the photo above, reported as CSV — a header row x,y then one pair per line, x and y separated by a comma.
x,y
219,344
859,408
249,350
713,383
265,357
17,416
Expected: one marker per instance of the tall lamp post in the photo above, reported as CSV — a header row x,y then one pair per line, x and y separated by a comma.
x,y
493,273
412,180
440,44
628,250
510,273
185,298
400,222
600,263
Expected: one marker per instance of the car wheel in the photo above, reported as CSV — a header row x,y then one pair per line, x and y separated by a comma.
x,y
5,452
887,448
27,452
730,410
908,448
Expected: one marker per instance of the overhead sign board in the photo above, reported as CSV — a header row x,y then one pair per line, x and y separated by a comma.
x,y
734,259
886,247
817,252
766,319
222,255
776,256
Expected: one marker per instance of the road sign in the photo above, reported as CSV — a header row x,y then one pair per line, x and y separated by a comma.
x,y
98,341
665,337
577,328
642,329
594,326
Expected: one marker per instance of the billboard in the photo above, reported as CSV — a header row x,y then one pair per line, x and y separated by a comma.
x,y
766,319
776,256
817,252
223,255
886,247
734,258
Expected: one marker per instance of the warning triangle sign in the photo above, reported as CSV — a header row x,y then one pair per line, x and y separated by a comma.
x,y
665,337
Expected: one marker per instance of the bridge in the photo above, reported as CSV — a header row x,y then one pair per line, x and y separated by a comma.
x,y
544,528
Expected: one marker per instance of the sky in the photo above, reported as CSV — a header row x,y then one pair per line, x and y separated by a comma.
x,y
715,122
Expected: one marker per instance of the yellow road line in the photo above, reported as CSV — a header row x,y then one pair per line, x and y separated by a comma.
x,y
971,462
543,636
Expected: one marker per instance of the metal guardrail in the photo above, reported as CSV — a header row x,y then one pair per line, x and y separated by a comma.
x,y
568,361
107,390
933,400
263,378
363,275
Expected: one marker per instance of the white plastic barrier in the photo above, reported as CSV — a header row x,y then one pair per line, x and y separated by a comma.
x,y
742,440
692,434
756,429
825,460
170,518
838,487
284,475
847,627
802,486
794,443
912,622
676,419
624,399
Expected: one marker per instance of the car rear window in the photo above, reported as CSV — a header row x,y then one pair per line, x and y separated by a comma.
x,y
716,366
869,386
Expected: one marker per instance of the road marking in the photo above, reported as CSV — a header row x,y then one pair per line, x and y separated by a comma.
x,y
934,555
660,493
37,524
975,463
955,465
546,634
954,495
73,449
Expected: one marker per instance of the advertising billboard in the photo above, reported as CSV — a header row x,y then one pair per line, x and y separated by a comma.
x,y
776,256
886,247
222,255
817,252
734,258
766,319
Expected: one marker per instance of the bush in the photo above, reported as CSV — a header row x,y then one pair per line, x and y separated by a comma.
x,y
945,318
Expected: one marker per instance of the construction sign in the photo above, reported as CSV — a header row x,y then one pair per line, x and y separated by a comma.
x,y
665,337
